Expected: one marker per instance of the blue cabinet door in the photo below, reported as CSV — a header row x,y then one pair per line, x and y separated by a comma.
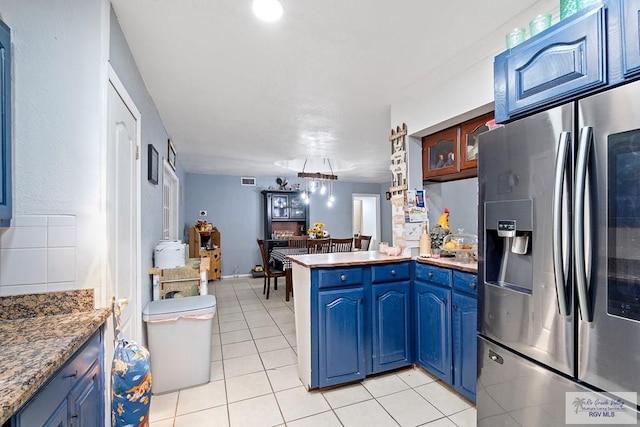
x,y
465,350
433,329
567,60
86,401
631,36
341,336
391,327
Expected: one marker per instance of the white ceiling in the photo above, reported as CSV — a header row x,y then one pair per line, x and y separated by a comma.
x,y
237,94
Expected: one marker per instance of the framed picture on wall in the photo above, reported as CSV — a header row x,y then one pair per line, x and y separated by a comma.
x,y
171,155
152,164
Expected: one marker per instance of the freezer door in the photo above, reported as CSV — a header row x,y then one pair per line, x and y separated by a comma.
x,y
609,333
513,391
518,297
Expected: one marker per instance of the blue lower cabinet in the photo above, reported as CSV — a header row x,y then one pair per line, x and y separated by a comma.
x,y
73,396
341,336
465,350
391,326
85,399
433,329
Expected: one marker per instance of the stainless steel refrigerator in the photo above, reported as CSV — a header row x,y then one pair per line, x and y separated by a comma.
x,y
559,260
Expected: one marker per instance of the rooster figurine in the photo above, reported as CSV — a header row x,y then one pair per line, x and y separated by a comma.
x,y
443,220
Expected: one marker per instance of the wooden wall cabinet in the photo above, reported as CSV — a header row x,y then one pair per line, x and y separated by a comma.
x,y
453,153
207,243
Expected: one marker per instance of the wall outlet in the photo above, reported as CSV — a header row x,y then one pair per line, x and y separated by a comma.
x,y
203,213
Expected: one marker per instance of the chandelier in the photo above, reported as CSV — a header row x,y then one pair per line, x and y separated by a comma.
x,y
320,182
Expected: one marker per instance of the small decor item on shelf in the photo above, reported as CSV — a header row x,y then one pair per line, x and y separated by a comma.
x,y
317,231
568,8
203,225
282,183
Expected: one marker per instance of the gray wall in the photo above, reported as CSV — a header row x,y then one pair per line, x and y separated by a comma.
x,y
238,213
153,132
461,198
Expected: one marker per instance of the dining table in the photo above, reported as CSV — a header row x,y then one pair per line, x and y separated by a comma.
x,y
281,255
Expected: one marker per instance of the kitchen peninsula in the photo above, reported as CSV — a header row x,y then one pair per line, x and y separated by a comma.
x,y
360,313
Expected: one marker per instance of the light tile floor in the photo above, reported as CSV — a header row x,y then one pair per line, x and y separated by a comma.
x,y
254,378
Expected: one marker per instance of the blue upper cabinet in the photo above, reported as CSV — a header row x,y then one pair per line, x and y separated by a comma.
x,y
564,60
631,37
5,125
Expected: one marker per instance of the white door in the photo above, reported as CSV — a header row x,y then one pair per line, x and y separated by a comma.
x,y
122,206
366,216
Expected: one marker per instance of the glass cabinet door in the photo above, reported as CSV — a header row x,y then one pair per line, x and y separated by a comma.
x,y
279,206
470,132
439,153
297,206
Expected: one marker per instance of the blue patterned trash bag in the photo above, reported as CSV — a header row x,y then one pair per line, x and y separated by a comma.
x,y
130,381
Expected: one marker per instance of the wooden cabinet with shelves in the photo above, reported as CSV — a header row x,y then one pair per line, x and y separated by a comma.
x,y
207,244
453,153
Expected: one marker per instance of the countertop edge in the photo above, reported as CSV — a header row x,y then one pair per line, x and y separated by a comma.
x,y
450,263
345,259
26,388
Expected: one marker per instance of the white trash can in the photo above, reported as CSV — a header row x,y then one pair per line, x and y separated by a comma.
x,y
179,340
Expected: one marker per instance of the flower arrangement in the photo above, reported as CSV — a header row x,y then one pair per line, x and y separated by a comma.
x,y
317,231
203,225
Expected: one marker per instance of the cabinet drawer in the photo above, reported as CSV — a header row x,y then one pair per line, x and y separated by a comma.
x,y
44,403
554,66
430,273
339,277
390,272
465,282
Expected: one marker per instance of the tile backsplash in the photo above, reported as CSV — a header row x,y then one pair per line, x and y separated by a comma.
x,y
38,254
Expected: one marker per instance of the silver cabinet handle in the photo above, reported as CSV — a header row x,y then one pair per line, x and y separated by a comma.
x,y
584,145
559,267
393,272
430,275
472,285
343,277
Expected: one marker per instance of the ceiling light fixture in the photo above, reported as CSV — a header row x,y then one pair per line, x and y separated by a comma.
x,y
267,10
313,180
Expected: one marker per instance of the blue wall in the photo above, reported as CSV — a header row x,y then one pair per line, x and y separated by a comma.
x,y
236,211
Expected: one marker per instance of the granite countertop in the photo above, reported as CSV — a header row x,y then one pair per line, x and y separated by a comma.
x,y
38,334
346,259
469,267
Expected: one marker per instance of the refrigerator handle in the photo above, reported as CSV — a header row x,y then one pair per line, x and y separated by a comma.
x,y
584,145
559,268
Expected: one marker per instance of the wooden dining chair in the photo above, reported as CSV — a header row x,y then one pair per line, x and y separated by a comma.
x,y
362,243
318,246
342,245
298,241
269,271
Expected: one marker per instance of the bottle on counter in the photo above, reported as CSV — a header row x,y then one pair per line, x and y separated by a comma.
x,y
425,241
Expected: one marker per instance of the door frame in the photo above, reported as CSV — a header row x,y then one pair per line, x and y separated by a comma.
x,y
106,291
169,176
355,196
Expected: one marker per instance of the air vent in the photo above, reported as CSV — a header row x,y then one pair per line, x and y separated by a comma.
x,y
248,181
